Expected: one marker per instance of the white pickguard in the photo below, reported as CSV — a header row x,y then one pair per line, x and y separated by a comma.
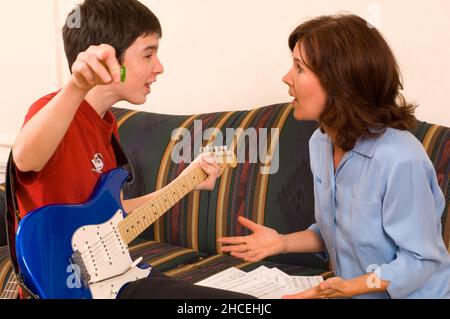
x,y
106,258
109,289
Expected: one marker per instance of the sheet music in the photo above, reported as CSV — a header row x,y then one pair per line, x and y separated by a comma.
x,y
300,282
268,273
263,283
259,270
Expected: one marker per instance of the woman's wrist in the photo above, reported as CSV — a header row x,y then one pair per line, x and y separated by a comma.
x,y
284,245
365,284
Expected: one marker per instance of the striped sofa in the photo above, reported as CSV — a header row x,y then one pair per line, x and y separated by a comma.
x,y
183,242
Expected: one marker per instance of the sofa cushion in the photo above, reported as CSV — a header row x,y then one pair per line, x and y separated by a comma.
x,y
164,256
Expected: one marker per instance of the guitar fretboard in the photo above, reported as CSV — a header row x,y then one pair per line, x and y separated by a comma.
x,y
144,216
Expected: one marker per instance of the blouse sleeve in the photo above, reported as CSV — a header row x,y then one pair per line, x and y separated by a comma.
x,y
324,254
412,206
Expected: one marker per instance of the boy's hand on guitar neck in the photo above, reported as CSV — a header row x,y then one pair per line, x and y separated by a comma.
x,y
96,66
210,167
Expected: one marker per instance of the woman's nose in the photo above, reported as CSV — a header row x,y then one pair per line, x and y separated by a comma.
x,y
287,79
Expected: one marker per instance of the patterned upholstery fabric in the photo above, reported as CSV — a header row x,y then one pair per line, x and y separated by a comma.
x,y
164,256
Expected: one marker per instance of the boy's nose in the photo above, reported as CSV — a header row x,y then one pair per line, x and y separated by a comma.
x,y
159,68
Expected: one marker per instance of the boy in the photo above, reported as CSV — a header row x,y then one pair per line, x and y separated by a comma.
x,y
68,134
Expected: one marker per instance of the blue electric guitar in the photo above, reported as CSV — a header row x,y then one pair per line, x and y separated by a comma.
x,y
81,251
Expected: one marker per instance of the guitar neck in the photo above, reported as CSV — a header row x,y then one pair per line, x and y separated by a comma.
x,y
141,218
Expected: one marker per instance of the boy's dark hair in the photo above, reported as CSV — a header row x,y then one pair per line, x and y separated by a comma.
x,y
359,73
115,22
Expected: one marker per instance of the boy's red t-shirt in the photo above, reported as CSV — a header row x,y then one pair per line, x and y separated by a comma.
x,y
69,177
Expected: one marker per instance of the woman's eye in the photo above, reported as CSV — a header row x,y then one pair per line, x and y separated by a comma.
x,y
299,69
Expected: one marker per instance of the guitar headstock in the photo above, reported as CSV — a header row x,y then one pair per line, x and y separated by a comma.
x,y
221,155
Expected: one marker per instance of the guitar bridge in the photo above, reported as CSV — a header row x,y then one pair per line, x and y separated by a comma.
x,y
77,262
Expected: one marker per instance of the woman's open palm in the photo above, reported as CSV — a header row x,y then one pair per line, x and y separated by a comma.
x,y
262,243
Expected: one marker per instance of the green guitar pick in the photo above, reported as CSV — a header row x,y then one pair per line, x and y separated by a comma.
x,y
123,73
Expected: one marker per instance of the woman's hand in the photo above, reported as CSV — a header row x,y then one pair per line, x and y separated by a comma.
x,y
96,66
262,243
335,287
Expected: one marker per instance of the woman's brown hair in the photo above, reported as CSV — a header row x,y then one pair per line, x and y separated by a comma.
x,y
360,75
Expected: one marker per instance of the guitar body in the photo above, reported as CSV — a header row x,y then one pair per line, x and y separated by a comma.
x,y
76,251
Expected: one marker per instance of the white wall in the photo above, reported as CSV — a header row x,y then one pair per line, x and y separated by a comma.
x,y
27,63
223,55
27,59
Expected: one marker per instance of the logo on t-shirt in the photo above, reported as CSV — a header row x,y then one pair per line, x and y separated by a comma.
x,y
98,163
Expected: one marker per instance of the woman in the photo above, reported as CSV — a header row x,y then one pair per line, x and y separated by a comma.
x,y
377,201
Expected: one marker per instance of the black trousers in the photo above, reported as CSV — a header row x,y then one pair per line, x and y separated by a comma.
x,y
160,286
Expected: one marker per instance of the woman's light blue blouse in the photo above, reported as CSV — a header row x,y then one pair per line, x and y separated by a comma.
x,y
380,212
